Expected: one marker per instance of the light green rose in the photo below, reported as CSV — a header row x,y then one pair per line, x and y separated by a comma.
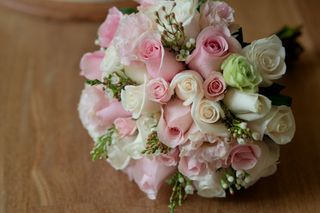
x,y
239,73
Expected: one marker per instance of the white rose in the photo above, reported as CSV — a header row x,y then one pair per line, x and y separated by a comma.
x,y
136,72
117,157
185,12
267,162
111,61
188,85
146,124
268,56
247,106
134,99
207,116
279,125
208,186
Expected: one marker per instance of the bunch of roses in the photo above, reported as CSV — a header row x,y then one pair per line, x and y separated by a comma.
x,y
172,92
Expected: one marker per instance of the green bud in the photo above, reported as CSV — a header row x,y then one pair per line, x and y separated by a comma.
x,y
239,73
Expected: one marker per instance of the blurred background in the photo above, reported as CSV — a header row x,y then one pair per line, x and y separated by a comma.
x,y
45,164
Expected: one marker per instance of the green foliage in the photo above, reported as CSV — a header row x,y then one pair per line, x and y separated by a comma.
x,y
235,125
289,37
100,149
200,3
179,183
232,180
173,36
128,10
94,82
273,93
116,82
154,145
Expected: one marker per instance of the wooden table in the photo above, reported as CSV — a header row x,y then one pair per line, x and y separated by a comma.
x,y
45,165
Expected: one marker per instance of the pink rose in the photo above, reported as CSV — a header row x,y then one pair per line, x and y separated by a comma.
x,y
214,45
214,86
159,90
216,12
97,112
159,62
191,167
125,126
175,121
244,157
90,65
169,159
149,174
109,27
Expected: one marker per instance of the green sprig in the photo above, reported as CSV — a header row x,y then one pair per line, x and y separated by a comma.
x,y
237,127
173,36
100,149
232,180
179,184
116,82
154,145
94,82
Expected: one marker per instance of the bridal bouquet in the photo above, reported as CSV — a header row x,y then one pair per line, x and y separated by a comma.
x,y
175,95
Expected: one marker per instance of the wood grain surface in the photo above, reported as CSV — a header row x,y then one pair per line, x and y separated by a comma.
x,y
81,10
45,165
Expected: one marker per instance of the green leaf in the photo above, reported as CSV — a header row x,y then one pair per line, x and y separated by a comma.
x,y
128,10
279,100
274,89
289,37
239,36
201,2
273,93
94,82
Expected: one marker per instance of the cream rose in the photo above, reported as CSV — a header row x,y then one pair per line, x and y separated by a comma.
x,y
208,186
117,157
279,125
268,56
207,116
247,106
137,72
188,85
134,99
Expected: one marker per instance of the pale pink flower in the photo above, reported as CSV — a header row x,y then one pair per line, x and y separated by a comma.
x,y
130,31
149,174
97,112
109,27
191,167
169,159
90,65
244,157
216,12
125,126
